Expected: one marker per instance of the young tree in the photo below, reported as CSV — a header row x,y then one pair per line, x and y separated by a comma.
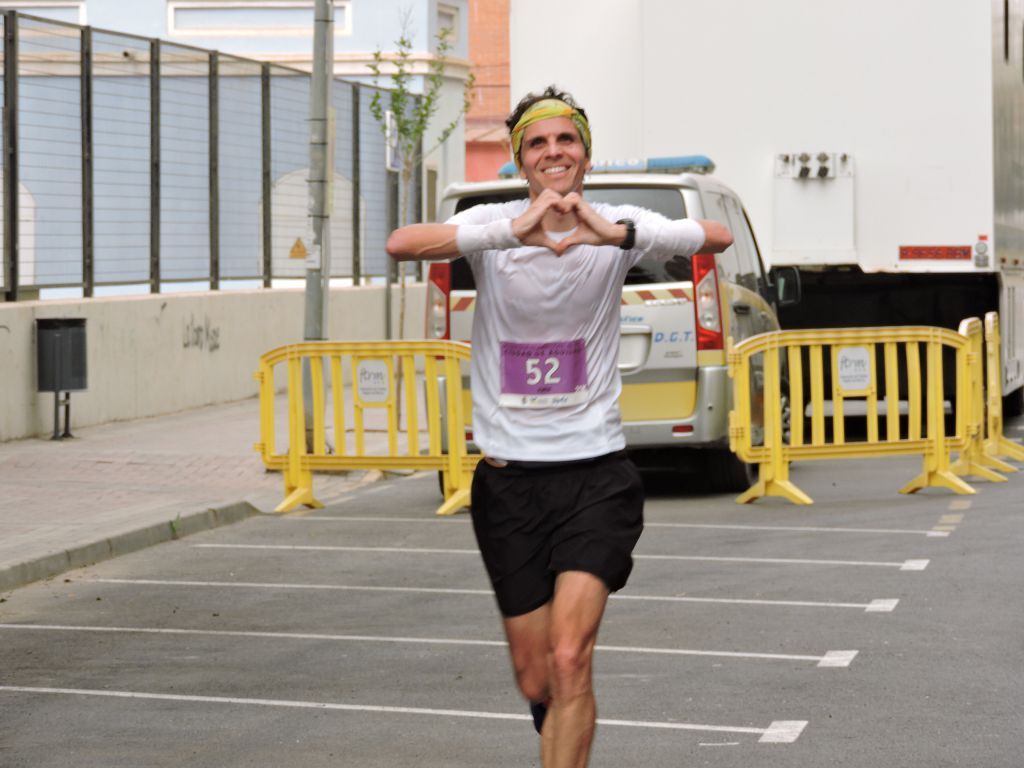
x,y
412,113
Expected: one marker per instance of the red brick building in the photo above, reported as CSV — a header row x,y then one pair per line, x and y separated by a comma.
x,y
487,146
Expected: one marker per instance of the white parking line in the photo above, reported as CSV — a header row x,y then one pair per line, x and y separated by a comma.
x,y
792,528
783,732
906,565
830,659
837,659
875,606
914,565
882,606
778,732
446,519
782,528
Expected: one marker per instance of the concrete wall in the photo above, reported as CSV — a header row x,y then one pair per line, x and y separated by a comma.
x,y
149,355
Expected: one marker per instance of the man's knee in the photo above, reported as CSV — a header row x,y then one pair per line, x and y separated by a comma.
x,y
570,663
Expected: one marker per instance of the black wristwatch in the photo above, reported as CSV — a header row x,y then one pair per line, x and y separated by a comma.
x,y
630,240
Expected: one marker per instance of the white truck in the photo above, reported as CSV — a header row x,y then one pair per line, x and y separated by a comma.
x,y
878,146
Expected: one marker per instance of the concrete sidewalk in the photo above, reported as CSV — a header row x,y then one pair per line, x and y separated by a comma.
x,y
122,486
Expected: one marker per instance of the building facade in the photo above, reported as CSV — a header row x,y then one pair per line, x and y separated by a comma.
x,y
281,31
487,145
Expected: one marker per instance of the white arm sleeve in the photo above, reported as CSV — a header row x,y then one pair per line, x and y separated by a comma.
x,y
486,227
494,236
660,237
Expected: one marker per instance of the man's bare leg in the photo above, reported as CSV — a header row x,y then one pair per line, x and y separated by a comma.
x,y
576,612
528,646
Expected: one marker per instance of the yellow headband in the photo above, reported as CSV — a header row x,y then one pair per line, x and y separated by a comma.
x,y
545,110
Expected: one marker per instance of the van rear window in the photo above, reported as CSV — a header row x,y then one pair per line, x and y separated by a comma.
x,y
664,200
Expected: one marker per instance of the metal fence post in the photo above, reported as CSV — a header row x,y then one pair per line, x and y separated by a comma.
x,y
357,222
154,166
418,181
267,223
88,241
393,191
214,136
10,121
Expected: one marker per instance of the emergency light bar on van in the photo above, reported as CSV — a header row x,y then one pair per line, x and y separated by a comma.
x,y
676,164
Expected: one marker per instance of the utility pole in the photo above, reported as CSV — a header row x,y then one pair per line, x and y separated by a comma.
x,y
321,174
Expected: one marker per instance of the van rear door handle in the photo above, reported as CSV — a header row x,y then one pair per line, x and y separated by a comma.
x,y
741,308
635,329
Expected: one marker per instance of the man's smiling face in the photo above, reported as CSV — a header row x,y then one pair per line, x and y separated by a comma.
x,y
553,157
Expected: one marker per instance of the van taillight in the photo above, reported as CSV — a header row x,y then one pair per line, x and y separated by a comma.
x,y
439,285
706,304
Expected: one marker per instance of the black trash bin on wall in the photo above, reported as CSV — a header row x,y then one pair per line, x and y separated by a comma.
x,y
61,368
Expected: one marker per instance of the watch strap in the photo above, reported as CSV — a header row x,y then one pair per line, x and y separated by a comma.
x,y
630,240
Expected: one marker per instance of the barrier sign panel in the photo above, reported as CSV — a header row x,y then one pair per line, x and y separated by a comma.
x,y
373,382
853,369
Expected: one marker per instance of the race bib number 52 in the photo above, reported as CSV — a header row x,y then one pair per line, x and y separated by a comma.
x,y
549,374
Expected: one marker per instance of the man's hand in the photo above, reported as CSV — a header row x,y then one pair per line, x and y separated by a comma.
x,y
529,227
591,228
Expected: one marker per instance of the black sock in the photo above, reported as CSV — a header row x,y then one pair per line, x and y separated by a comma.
x,y
539,709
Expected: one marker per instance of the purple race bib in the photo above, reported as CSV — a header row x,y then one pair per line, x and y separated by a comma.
x,y
544,374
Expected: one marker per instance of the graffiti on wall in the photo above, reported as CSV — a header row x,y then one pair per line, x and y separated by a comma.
x,y
201,335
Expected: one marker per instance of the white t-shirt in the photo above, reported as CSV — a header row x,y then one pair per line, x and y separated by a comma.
x,y
544,370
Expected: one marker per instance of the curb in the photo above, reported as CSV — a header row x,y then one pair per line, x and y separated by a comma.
x,y
48,566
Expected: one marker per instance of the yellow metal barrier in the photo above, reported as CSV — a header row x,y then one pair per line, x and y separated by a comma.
x,y
996,444
973,460
372,380
853,356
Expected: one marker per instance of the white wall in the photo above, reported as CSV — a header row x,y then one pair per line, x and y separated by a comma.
x,y
149,355
904,87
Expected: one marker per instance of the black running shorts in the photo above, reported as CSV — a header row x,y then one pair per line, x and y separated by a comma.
x,y
534,520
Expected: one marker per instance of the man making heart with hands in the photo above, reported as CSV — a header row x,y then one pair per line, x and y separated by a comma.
x,y
557,506
551,212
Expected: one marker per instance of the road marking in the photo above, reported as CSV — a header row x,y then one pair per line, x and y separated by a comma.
x,y
778,732
790,528
906,565
830,659
914,565
783,732
326,548
875,606
837,659
882,606
948,523
446,519
782,528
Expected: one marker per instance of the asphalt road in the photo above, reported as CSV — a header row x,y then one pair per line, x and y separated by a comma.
x,y
870,629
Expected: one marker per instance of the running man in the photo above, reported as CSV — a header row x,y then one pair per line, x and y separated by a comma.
x,y
557,505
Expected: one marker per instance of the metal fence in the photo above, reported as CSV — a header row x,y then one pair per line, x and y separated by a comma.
x,y
129,160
